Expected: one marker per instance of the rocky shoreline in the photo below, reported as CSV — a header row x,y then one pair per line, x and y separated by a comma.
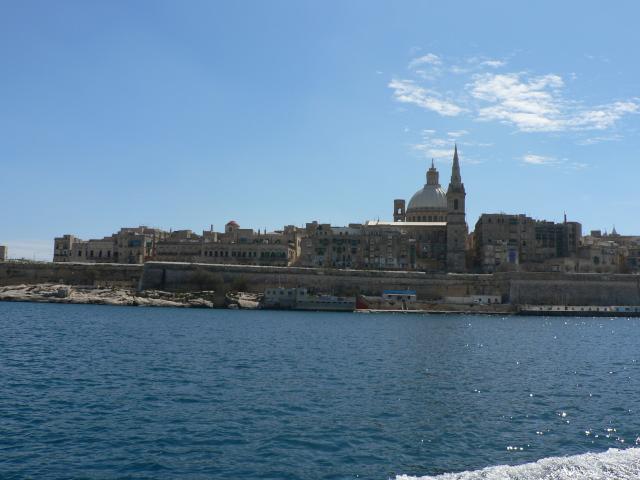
x,y
59,293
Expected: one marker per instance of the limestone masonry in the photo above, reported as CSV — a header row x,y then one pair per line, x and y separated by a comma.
x,y
430,234
550,288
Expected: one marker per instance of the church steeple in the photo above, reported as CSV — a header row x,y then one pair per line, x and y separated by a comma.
x,y
456,223
456,178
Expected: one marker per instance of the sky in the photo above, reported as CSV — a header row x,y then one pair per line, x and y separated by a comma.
x,y
183,115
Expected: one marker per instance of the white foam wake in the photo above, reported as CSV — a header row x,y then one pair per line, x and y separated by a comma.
x,y
612,464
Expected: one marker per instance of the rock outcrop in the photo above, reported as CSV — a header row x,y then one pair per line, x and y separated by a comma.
x,y
53,293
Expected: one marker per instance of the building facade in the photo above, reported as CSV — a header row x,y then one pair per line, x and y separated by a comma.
x,y
516,242
129,245
428,235
140,244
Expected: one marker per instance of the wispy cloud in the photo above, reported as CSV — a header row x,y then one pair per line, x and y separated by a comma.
x,y
434,145
599,139
406,91
532,159
428,59
493,63
530,103
542,160
536,104
457,133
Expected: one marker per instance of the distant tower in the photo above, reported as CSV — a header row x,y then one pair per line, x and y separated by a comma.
x,y
432,175
399,214
456,222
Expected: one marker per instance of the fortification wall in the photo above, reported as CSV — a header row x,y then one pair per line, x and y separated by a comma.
x,y
183,276
574,289
513,287
98,274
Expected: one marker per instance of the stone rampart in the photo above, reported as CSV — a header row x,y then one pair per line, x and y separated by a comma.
x,y
574,289
96,274
185,276
512,287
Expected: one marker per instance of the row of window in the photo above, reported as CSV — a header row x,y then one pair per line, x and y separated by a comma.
x,y
245,254
427,218
90,254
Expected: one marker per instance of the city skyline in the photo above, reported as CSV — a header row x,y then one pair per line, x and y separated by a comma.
x,y
289,113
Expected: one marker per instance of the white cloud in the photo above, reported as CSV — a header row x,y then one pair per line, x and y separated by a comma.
x,y
536,104
530,105
601,117
600,139
431,151
493,63
428,59
457,133
406,91
532,159
541,160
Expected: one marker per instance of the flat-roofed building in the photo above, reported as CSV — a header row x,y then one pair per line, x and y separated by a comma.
x,y
518,242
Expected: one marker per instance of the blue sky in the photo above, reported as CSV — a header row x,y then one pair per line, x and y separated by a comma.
x,y
186,114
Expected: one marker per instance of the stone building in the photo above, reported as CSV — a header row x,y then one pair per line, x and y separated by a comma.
x,y
431,210
63,246
137,245
179,246
323,245
429,235
608,253
429,204
406,245
517,242
129,245
237,246
244,246
4,253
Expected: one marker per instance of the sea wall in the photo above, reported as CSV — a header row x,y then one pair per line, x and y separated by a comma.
x,y
184,276
92,274
512,287
574,289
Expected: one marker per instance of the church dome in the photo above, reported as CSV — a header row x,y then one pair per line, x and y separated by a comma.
x,y
430,196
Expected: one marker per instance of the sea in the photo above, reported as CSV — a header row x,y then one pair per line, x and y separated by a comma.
x,y
101,392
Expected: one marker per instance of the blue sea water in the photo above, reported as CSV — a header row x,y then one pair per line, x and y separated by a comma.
x,y
119,392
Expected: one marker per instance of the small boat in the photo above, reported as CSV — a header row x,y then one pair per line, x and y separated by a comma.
x,y
243,300
301,299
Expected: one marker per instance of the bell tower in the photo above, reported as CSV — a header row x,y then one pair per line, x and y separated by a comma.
x,y
456,221
399,212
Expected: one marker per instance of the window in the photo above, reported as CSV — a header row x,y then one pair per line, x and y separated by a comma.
x,y
455,204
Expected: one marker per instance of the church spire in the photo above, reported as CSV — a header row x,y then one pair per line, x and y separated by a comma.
x,y
456,179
